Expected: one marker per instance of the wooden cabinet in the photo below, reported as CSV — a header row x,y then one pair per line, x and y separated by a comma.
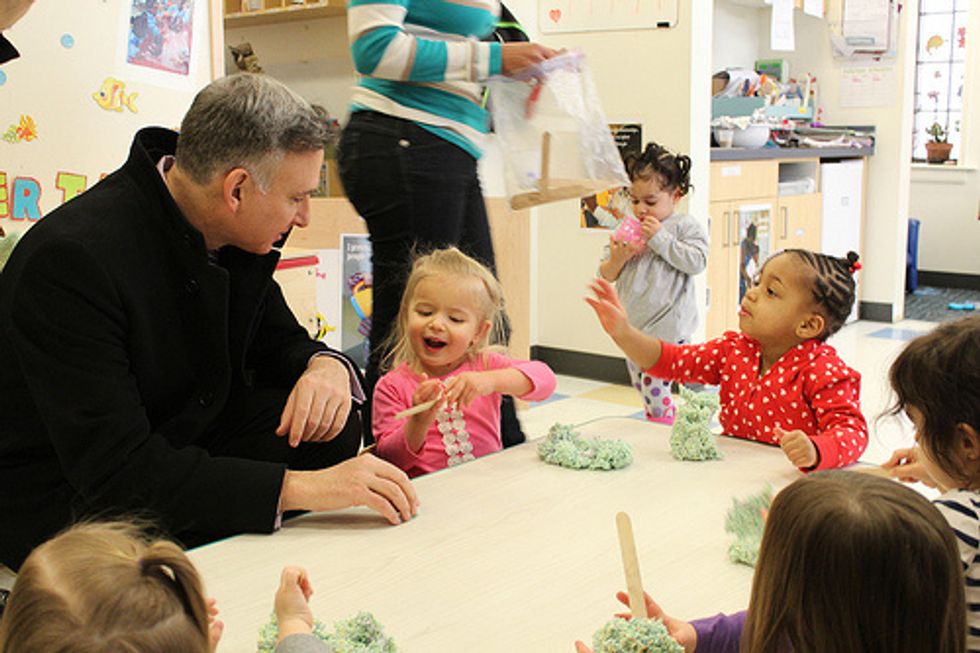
x,y
241,13
750,221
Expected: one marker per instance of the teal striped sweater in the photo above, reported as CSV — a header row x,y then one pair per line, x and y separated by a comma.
x,y
421,60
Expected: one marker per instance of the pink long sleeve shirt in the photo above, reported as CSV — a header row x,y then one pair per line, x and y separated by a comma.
x,y
477,425
809,388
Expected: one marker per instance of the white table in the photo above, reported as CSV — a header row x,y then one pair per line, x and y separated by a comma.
x,y
508,553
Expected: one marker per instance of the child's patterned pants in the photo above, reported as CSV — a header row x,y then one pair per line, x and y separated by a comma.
x,y
655,392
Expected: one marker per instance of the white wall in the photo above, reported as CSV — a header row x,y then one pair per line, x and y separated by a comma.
x,y
54,85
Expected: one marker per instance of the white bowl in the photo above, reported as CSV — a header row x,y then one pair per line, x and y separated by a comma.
x,y
753,136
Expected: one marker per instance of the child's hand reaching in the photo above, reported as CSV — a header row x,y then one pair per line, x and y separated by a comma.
x,y
608,308
682,632
907,467
418,424
798,447
293,603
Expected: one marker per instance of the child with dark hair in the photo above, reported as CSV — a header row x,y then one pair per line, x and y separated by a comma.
x,y
656,278
780,382
849,562
936,380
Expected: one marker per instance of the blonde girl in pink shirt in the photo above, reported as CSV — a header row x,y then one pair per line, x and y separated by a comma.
x,y
451,306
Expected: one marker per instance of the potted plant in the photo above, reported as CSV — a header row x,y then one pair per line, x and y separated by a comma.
x,y
937,148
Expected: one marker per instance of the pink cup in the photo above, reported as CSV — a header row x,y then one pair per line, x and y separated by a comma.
x,y
629,231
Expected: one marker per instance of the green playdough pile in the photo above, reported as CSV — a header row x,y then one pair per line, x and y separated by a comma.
x,y
746,522
634,636
565,447
359,634
691,437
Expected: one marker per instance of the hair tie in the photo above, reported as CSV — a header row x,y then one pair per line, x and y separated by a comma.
x,y
854,267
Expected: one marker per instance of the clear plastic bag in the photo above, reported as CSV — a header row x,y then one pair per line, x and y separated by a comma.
x,y
555,139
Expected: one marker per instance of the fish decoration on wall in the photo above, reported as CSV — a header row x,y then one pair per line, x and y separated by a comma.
x,y
112,96
26,130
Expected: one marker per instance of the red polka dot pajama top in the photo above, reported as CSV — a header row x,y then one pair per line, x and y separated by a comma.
x,y
809,388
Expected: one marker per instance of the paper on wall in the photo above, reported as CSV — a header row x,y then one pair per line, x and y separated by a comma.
x,y
781,36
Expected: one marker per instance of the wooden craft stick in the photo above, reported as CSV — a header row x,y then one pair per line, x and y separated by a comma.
x,y
416,409
631,566
544,182
874,470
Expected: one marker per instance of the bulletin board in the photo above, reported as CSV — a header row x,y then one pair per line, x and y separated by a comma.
x,y
90,75
560,16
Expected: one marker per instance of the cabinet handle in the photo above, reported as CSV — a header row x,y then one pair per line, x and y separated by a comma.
x,y
733,226
785,211
726,228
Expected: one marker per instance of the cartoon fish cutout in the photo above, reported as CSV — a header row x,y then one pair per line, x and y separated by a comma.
x,y
27,129
934,43
112,98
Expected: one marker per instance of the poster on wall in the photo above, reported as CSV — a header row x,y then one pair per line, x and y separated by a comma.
x,y
559,16
328,280
160,39
755,243
605,210
356,293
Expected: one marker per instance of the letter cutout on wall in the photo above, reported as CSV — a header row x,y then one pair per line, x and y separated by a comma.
x,y
27,199
70,184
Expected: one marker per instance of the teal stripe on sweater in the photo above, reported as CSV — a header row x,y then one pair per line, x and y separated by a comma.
x,y
368,50
430,61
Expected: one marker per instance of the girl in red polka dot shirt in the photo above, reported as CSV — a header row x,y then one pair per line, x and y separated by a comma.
x,y
780,382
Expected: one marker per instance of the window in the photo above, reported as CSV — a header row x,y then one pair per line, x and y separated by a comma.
x,y
939,65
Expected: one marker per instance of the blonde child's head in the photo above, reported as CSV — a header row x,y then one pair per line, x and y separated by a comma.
x,y
799,295
851,562
658,180
106,587
452,308
936,380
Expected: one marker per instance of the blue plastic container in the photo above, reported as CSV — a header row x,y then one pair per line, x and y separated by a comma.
x,y
912,257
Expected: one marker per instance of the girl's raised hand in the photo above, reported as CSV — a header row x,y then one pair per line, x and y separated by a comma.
x,y
428,390
607,307
467,386
621,251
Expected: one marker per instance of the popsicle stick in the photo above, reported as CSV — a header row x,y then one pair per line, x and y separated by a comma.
x,y
416,409
544,182
631,566
874,470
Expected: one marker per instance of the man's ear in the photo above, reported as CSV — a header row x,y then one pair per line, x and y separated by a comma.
x,y
811,327
969,441
232,187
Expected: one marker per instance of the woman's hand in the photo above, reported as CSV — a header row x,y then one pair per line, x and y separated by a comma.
x,y
515,56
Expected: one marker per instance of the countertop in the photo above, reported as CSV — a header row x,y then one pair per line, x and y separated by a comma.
x,y
764,153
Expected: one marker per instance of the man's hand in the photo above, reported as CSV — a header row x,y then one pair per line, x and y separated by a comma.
x,y
319,404
798,447
292,603
906,466
362,481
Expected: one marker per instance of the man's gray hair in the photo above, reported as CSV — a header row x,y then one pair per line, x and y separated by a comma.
x,y
246,121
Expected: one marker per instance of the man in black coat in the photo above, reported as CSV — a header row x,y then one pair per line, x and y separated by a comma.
x,y
150,365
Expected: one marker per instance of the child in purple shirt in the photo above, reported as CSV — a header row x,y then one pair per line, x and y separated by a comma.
x,y
848,562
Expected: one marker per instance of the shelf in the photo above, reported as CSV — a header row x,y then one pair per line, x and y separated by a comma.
x,y
280,14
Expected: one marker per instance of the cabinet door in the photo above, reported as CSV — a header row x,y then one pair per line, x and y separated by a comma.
x,y
798,222
721,281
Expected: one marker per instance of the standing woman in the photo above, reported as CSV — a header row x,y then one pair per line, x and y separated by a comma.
x,y
408,155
